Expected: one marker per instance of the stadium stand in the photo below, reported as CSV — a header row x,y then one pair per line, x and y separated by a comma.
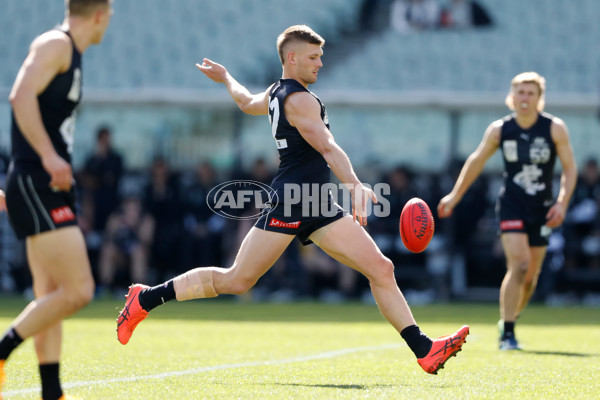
x,y
137,52
373,81
556,39
157,44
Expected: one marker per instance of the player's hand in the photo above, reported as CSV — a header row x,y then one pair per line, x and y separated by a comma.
x,y
555,216
213,70
2,201
61,174
446,206
360,200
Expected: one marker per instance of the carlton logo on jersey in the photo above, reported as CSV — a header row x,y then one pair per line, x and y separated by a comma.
x,y
527,179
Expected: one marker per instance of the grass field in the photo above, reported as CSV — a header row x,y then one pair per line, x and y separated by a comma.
x,y
215,349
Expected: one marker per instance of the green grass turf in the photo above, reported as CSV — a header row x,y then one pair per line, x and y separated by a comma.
x,y
215,349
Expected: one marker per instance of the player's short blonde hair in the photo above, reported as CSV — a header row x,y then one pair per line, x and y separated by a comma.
x,y
84,8
300,33
527,77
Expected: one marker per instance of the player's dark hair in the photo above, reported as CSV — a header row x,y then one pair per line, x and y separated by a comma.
x,y
294,33
84,7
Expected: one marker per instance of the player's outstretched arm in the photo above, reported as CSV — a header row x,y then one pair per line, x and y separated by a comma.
x,y
471,170
254,104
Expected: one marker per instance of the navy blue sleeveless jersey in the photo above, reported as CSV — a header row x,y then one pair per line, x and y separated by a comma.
x,y
58,103
299,162
529,156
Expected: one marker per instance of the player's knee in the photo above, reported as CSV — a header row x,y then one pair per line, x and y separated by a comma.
x,y
383,270
79,297
241,286
519,268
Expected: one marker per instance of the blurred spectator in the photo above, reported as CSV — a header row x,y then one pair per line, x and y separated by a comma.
x,y
327,279
162,201
261,171
127,239
101,174
414,15
202,244
583,226
464,14
369,12
385,230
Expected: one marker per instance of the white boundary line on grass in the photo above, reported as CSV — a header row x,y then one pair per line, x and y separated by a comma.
x,y
200,370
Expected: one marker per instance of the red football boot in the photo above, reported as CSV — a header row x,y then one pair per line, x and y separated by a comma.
x,y
442,349
132,314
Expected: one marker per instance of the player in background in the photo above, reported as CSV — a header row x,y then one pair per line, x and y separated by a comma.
x,y
530,140
307,153
40,197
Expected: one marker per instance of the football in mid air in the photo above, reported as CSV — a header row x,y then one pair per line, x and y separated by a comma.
x,y
416,225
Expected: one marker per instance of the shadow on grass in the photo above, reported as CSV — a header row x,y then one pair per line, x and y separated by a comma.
x,y
332,386
559,353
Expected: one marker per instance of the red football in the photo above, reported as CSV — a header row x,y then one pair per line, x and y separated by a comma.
x,y
416,225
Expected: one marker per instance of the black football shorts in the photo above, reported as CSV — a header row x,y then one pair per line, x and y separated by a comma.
x,y
530,220
33,207
295,221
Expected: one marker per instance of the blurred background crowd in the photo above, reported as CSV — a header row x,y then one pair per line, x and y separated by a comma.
x,y
409,85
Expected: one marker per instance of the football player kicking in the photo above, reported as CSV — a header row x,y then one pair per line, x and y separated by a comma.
x,y
308,152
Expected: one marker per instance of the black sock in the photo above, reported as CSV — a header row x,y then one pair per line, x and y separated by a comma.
x,y
418,342
51,389
157,295
9,342
509,329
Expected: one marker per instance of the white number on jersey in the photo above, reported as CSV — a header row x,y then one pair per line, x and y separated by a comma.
x,y
75,90
67,130
274,119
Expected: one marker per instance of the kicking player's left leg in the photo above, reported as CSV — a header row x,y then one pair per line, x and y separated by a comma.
x,y
258,252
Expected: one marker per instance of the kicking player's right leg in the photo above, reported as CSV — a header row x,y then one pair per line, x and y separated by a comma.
x,y
348,242
258,252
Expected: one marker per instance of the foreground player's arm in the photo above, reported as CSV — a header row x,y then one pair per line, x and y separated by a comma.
x,y
49,55
472,168
254,104
2,201
568,179
304,112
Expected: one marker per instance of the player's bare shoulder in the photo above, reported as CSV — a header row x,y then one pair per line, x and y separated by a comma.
x,y
53,38
558,129
301,102
53,44
492,133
